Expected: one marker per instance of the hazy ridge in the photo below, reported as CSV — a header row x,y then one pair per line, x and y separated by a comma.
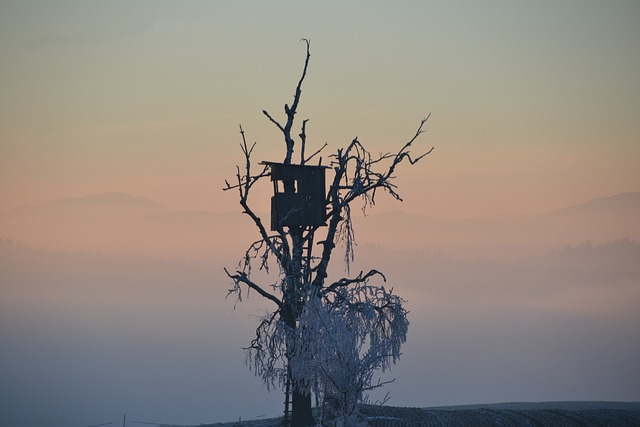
x,y
119,223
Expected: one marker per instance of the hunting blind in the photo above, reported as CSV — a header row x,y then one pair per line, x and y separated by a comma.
x,y
299,198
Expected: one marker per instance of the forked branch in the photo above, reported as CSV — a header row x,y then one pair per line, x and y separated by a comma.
x,y
291,111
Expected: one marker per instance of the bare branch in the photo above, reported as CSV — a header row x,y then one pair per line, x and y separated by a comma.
x,y
244,183
361,278
291,111
316,153
365,180
274,121
303,140
241,277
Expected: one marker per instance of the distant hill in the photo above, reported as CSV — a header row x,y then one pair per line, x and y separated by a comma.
x,y
108,205
624,204
116,222
598,220
125,224
565,414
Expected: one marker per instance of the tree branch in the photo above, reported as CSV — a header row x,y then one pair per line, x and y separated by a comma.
x,y
245,181
241,277
316,153
303,140
274,121
361,278
291,111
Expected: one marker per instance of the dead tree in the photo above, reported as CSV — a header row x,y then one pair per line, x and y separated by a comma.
x,y
305,305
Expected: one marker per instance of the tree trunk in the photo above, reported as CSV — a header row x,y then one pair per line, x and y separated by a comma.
x,y
301,415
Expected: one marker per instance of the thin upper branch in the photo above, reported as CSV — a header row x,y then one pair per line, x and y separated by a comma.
x,y
303,140
290,111
318,151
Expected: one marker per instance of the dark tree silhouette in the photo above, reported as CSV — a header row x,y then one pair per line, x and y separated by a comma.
x,y
320,336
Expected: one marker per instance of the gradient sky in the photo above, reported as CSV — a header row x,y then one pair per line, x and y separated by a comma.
x,y
534,104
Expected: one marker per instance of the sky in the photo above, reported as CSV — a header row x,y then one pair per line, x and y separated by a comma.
x,y
533,107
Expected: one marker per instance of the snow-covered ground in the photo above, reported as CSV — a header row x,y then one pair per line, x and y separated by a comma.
x,y
564,414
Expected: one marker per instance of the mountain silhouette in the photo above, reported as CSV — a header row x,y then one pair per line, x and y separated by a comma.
x,y
108,205
121,223
620,205
597,220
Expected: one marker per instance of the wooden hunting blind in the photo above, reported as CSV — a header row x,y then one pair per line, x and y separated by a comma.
x,y
299,198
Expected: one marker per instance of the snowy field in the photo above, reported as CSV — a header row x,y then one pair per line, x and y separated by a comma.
x,y
560,414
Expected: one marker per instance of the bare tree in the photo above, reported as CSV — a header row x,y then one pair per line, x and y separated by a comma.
x,y
320,336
